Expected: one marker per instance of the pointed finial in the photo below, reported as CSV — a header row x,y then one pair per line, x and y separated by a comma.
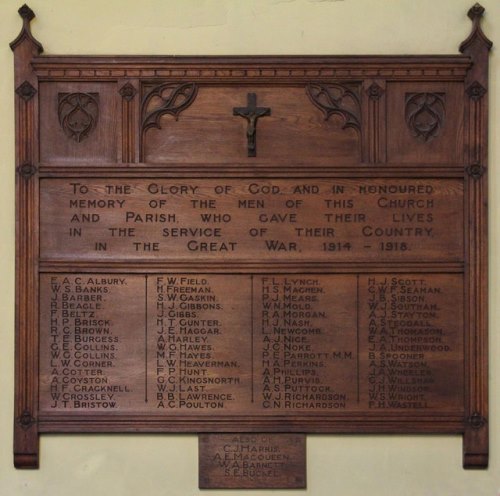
x,y
476,11
28,15
475,14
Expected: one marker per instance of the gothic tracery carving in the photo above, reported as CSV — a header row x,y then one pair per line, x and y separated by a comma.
x,y
424,114
78,114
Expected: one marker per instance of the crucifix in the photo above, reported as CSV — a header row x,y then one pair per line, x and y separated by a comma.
x,y
251,113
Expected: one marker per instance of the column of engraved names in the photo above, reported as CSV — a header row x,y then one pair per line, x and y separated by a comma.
x,y
84,367
197,334
414,340
306,347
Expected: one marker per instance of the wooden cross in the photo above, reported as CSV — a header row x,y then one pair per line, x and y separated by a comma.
x,y
251,113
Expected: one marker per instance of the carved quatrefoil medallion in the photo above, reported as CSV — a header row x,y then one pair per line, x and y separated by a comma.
x,y
425,114
128,92
26,420
476,91
78,114
26,91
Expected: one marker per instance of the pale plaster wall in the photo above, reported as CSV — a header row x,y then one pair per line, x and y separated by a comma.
x,y
167,464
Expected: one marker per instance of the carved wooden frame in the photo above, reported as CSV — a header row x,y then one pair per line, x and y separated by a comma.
x,y
319,72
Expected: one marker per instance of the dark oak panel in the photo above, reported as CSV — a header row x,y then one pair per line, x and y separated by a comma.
x,y
251,245
431,128
78,123
208,344
253,219
294,127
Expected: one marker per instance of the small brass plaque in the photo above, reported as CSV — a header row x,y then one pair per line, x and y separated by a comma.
x,y
252,461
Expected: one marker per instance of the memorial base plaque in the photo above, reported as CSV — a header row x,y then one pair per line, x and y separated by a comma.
x,y
252,461
311,261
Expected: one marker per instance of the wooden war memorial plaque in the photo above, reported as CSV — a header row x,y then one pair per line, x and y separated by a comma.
x,y
249,245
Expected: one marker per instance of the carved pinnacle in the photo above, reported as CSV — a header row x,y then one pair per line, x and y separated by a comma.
x,y
475,14
28,15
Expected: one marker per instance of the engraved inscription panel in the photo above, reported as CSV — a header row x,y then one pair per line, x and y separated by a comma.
x,y
91,353
200,342
160,343
306,343
411,341
252,219
252,461
267,344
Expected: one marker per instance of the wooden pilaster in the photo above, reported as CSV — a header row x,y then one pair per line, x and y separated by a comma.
x,y
25,47
475,441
